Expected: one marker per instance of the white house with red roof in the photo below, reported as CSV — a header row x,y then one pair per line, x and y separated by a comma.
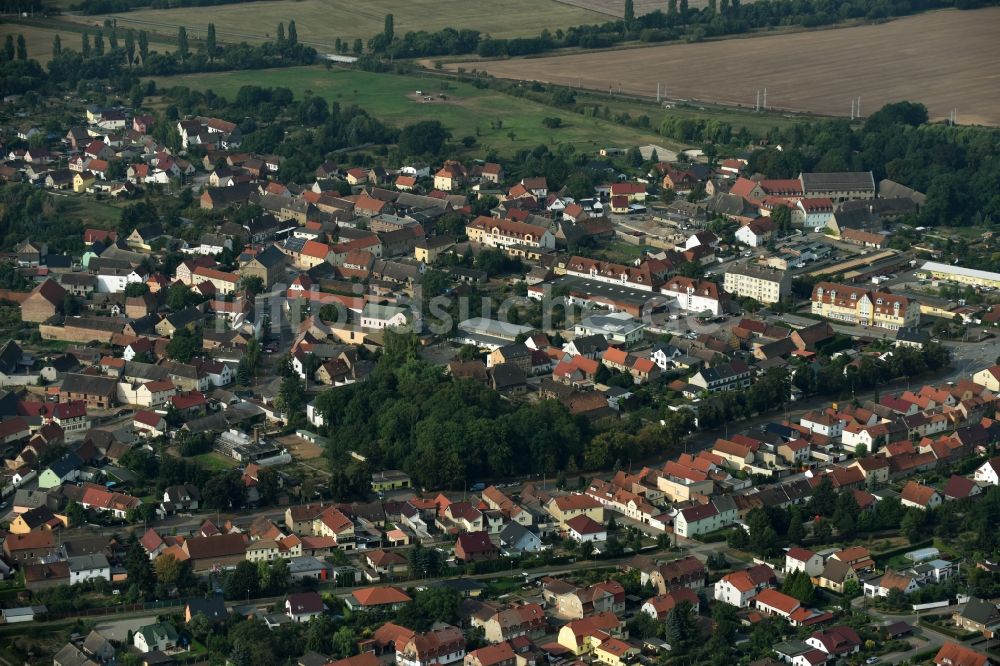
x,y
71,416
584,529
740,587
149,423
659,607
803,559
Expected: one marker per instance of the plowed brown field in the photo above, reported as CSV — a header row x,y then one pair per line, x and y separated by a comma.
x,y
945,59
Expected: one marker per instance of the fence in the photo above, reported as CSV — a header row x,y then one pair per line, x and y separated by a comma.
x,y
117,610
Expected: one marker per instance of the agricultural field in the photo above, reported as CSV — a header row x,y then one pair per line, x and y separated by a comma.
x,y
503,122
815,71
320,22
39,40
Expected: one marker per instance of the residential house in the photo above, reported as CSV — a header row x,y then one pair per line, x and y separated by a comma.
x,y
304,606
160,637
740,587
919,496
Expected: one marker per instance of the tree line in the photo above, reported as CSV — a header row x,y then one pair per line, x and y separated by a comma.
x,y
124,55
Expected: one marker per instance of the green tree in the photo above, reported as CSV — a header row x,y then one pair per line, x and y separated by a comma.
x,y
99,42
681,631
344,643
291,397
135,289
143,45
170,571
179,296
56,46
293,34
22,48
268,485
130,46
389,30
629,11
824,499
781,218
281,33
185,345
224,491
796,530
210,42
243,582
798,584
182,43
75,514
763,537
691,269
435,604
913,525
852,590
252,284
139,568
423,138
70,306
8,47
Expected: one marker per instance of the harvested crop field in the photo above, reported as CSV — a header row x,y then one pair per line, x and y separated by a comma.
x,y
39,40
945,59
320,22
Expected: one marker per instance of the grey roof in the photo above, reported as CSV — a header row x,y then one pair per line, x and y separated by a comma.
x,y
10,357
185,316
513,534
912,335
99,646
305,565
88,562
590,344
270,257
981,612
65,464
71,655
78,279
890,189
213,609
146,371
89,384
506,375
516,350
813,183
728,204
30,498
754,270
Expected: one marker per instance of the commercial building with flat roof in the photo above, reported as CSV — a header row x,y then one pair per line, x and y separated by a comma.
x,y
761,283
952,273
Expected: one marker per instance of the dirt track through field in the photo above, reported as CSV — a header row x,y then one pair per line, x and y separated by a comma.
x,y
946,60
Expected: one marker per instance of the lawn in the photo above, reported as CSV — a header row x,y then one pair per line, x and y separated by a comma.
x,y
497,120
320,23
215,461
756,123
94,213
